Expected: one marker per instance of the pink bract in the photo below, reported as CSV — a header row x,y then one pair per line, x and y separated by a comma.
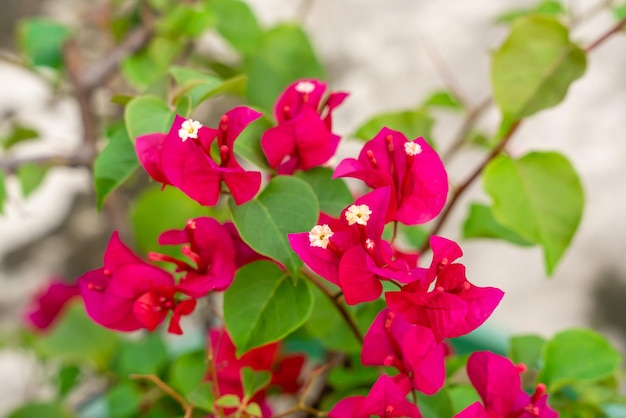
x,y
413,170
48,303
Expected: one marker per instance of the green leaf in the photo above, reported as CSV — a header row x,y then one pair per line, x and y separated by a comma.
x,y
124,400
156,211
238,25
41,409
462,396
248,143
578,355
41,41
3,192
187,372
619,11
481,223
287,205
147,66
443,99
253,409
196,84
189,20
526,349
114,165
546,7
19,133
438,405
202,397
538,196
263,305
31,176
284,56
253,381
412,123
145,356
228,401
67,378
332,194
147,114
534,67
93,344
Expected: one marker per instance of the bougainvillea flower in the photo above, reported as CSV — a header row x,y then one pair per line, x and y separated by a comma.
x,y
498,383
454,306
350,251
244,254
303,138
412,169
210,247
128,294
184,158
411,349
386,399
48,303
284,370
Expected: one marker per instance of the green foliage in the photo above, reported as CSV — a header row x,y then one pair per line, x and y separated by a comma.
x,y
551,8
147,114
462,396
187,372
3,192
526,349
284,55
67,378
41,409
145,356
534,67
438,405
41,41
539,197
238,25
443,99
332,194
481,223
186,20
412,123
264,305
155,211
123,400
253,381
287,205
578,354
150,64
93,345
31,176
248,144
19,133
114,165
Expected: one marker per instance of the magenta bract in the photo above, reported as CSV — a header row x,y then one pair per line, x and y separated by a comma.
x,y
49,302
413,170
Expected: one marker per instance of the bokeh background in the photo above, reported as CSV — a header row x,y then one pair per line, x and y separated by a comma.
x,y
389,55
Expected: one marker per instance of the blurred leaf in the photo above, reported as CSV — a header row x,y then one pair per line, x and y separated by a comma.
x,y
147,114
412,123
114,165
248,143
202,397
145,356
41,410
526,349
287,205
19,133
67,378
41,41
546,7
538,196
156,211
284,56
253,409
619,11
93,344
189,20
534,67
260,308
123,399
462,396
414,234
31,176
195,83
438,405
187,372
253,381
578,355
151,63
238,25
332,194
443,99
3,192
481,223
228,401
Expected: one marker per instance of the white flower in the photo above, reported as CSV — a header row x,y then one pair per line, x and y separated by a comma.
x,y
358,214
189,129
320,236
412,149
305,87
370,244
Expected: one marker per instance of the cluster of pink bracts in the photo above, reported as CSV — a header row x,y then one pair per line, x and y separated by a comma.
x,y
409,185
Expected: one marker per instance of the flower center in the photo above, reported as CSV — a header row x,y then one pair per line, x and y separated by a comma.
x,y
305,87
319,236
358,214
189,129
412,149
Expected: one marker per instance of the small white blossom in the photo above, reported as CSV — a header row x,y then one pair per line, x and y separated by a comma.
x,y
320,236
412,149
189,129
358,214
305,87
369,244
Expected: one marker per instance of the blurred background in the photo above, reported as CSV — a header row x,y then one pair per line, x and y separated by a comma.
x,y
388,55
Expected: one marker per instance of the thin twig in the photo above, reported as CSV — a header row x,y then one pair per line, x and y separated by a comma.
x,y
11,165
302,401
445,73
466,127
340,306
615,29
167,389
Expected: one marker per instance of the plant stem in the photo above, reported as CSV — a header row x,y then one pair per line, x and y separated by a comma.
x,y
615,29
167,389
